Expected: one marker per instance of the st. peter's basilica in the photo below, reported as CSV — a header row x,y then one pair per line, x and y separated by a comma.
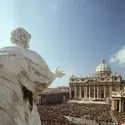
x,y
103,85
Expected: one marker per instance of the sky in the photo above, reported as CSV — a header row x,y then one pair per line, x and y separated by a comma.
x,y
74,34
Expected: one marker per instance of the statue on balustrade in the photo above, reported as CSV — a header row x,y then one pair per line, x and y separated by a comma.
x,y
23,75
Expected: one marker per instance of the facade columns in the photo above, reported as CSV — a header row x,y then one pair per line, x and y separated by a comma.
x,y
64,98
89,91
122,106
104,91
94,92
97,92
85,92
38,101
119,105
112,105
110,92
70,94
115,104
80,91
75,92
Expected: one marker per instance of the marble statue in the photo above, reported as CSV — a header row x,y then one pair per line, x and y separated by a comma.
x,y
23,75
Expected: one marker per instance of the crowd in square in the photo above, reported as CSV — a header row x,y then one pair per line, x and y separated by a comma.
x,y
54,114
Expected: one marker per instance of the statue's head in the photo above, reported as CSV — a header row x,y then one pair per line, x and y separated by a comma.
x,y
20,37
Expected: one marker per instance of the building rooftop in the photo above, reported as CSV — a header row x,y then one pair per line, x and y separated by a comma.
x,y
56,90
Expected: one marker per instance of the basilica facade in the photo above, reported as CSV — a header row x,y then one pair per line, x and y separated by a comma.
x,y
97,86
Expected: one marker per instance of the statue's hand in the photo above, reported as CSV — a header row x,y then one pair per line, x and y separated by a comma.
x,y
59,73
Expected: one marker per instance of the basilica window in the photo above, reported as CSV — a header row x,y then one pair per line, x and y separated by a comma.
x,y
82,79
115,78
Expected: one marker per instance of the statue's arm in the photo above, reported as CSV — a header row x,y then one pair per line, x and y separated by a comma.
x,y
58,73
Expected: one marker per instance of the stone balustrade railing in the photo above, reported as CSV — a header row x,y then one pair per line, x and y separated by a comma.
x,y
118,94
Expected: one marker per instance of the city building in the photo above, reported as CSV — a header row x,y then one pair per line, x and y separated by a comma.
x,y
54,95
103,85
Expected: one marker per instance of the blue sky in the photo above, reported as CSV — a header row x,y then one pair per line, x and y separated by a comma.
x,y
74,34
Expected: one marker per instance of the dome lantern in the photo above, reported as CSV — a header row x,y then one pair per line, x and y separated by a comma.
x,y
103,61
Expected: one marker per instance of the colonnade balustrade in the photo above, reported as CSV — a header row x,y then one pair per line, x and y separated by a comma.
x,y
118,101
118,105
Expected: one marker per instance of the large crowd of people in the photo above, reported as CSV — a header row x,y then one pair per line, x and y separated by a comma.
x,y
120,117
54,114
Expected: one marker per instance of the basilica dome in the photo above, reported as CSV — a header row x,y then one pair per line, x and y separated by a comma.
x,y
103,67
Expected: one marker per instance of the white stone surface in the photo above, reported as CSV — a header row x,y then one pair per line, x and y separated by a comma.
x,y
19,67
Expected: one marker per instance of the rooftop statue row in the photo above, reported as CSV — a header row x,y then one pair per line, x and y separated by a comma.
x,y
118,93
96,75
22,71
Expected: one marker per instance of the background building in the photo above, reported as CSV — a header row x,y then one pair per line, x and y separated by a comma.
x,y
54,95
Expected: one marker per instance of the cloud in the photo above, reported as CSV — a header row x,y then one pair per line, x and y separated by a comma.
x,y
119,57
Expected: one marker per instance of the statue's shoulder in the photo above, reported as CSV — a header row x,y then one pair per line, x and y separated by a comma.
x,y
9,49
21,52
